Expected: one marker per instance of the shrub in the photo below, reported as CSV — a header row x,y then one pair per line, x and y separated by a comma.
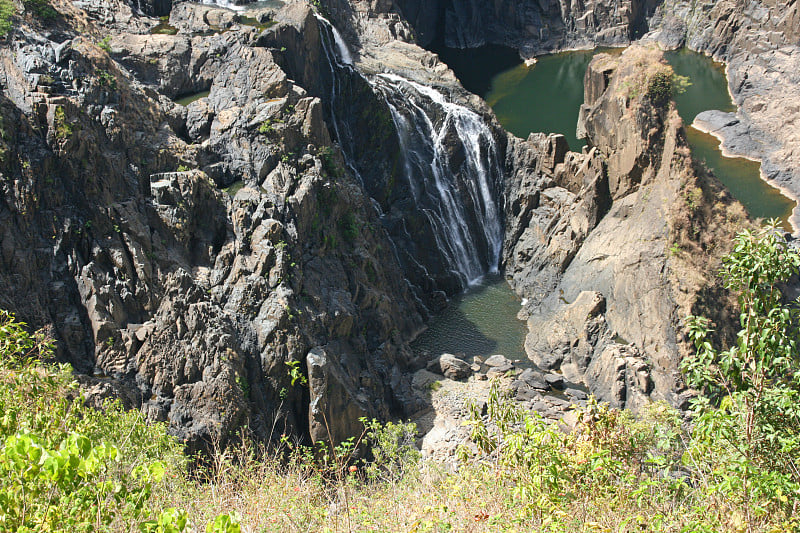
x,y
63,128
65,466
750,424
107,80
105,44
7,10
348,226
40,9
663,84
329,164
659,88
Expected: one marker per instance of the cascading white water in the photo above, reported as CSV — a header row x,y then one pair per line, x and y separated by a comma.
x,y
345,57
480,167
461,203
224,3
342,59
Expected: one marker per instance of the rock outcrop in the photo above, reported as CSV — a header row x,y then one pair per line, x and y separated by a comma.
x,y
532,27
760,44
207,308
606,246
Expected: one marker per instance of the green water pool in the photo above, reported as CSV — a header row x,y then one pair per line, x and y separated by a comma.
x,y
481,322
709,90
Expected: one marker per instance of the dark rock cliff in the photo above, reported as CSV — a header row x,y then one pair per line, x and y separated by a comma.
x,y
203,262
192,302
531,26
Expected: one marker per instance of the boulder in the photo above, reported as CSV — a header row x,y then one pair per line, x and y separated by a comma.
x,y
450,366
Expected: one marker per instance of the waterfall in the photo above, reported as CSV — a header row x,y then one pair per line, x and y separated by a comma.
x,y
450,164
340,64
344,56
224,3
462,197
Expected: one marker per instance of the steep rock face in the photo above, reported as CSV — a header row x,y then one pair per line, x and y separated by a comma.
x,y
603,260
199,307
428,161
760,43
532,27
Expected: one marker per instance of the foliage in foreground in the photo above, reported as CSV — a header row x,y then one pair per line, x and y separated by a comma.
x,y
731,467
65,466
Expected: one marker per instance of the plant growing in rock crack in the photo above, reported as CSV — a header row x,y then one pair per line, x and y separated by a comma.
x,y
106,79
105,44
63,128
296,374
266,127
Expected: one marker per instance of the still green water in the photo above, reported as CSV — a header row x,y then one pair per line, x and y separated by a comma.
x,y
482,321
709,90
188,99
544,97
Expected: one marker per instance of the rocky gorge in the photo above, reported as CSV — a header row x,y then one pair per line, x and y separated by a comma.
x,y
261,257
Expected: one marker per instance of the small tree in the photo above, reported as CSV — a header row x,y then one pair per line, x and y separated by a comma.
x,y
750,419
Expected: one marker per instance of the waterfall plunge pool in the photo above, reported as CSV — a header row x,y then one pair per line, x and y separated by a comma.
x,y
546,97
480,322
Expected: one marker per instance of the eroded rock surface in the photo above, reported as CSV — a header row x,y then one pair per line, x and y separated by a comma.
x,y
599,242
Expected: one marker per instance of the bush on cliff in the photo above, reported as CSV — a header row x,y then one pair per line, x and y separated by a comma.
x,y
749,419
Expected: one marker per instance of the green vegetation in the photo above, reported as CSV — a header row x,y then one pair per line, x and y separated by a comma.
x,y
295,374
107,80
749,419
234,187
329,164
65,466
266,127
7,10
105,44
662,85
733,467
63,127
348,226
40,9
